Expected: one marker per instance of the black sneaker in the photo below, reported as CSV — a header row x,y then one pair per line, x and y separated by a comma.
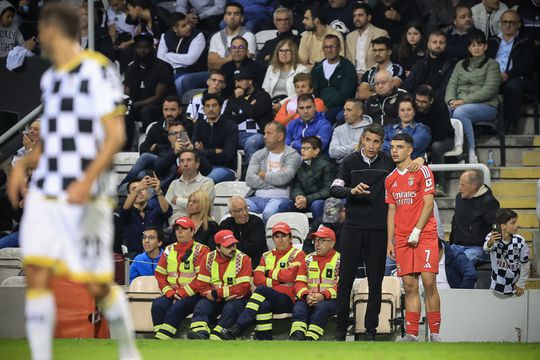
x,y
297,336
369,335
231,333
340,336
198,335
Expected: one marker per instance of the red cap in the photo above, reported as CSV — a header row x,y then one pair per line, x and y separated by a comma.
x,y
324,232
185,223
225,238
282,228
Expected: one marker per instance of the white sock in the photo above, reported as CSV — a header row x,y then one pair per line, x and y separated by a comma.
x,y
117,313
40,311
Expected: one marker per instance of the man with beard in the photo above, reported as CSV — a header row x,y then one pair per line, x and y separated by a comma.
x,y
147,82
457,38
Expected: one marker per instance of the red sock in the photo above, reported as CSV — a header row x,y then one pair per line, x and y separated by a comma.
x,y
411,322
434,321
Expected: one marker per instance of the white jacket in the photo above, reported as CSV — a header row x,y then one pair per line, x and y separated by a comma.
x,y
480,16
271,78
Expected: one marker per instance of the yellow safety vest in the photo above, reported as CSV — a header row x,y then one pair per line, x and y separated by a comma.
x,y
229,276
183,275
270,264
318,282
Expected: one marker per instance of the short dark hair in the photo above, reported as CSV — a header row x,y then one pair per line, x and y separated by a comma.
x,y
279,127
303,77
145,4
365,6
171,98
235,4
502,216
317,12
382,40
425,90
177,16
238,37
191,151
216,72
461,5
408,99
374,128
305,97
404,137
63,17
159,231
356,101
216,97
314,141
437,32
332,36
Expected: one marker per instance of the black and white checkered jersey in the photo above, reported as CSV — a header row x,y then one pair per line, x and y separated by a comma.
x,y
505,263
76,98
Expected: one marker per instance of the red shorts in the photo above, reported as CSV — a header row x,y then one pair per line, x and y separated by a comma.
x,y
422,258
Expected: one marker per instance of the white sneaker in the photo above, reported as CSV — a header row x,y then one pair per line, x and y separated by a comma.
x,y
473,159
407,338
435,338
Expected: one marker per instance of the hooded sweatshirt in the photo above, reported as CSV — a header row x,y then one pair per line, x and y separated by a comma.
x,y
10,36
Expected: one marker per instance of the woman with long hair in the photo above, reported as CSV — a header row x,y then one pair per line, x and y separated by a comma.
x,y
284,65
472,89
199,210
412,47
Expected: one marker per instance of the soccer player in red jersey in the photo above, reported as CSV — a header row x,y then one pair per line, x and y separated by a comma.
x,y
412,236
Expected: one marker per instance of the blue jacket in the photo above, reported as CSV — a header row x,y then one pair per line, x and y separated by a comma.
x,y
319,126
460,271
420,133
143,265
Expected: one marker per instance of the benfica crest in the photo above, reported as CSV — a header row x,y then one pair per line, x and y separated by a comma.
x,y
411,180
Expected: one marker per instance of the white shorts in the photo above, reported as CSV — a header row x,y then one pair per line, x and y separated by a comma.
x,y
71,238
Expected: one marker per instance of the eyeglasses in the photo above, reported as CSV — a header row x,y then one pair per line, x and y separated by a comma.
x,y
284,51
149,237
320,241
505,22
330,47
240,210
239,47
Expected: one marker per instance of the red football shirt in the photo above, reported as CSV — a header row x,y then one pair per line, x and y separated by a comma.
x,y
407,190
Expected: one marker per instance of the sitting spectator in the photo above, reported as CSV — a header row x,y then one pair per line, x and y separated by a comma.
x,y
382,47
199,209
138,212
346,137
216,84
148,18
472,89
120,31
145,264
487,16
311,42
221,42
509,255
240,59
9,234
30,139
434,70
283,21
459,271
182,47
247,228
284,66
334,78
420,133
302,85
474,214
309,123
412,47
216,139
147,81
358,43
205,15
190,181
382,107
311,185
457,38
340,16
392,15
513,50
270,172
250,107
10,35
333,218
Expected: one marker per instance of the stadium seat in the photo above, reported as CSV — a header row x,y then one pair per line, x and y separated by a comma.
x,y
142,291
10,263
458,138
390,304
188,95
123,162
298,222
224,191
15,281
142,137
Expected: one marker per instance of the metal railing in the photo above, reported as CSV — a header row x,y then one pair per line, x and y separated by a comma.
x,y
464,167
21,124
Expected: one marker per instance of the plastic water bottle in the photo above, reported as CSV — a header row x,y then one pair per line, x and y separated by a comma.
x,y
490,160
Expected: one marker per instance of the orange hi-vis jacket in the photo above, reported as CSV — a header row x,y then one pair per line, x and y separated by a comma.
x,y
176,272
281,268
318,274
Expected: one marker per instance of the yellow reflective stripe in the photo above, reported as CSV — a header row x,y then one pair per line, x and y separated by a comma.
x,y
262,317
157,327
258,297
253,306
263,327
298,326
301,278
199,326
204,278
165,289
333,293
217,328
226,291
161,270
301,292
168,328
269,282
295,264
259,268
162,336
189,290
215,337
243,279
275,274
317,329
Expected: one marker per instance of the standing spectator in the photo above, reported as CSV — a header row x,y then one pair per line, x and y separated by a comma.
x,y
311,43
270,173
199,210
247,228
148,18
216,139
412,47
340,15
30,140
182,47
334,78
513,50
358,43
284,66
346,137
190,181
474,214
10,36
487,16
382,48
392,15
309,123
433,70
382,106
120,31
311,185
457,38
283,21
205,15
221,42
216,84
145,264
472,89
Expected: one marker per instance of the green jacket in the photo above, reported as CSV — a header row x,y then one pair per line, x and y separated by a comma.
x,y
477,85
313,181
340,87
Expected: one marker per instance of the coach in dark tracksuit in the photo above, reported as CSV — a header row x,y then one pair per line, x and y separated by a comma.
x,y
360,180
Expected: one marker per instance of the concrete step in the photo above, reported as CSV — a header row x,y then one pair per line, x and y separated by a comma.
x,y
531,158
510,140
514,188
514,156
515,173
